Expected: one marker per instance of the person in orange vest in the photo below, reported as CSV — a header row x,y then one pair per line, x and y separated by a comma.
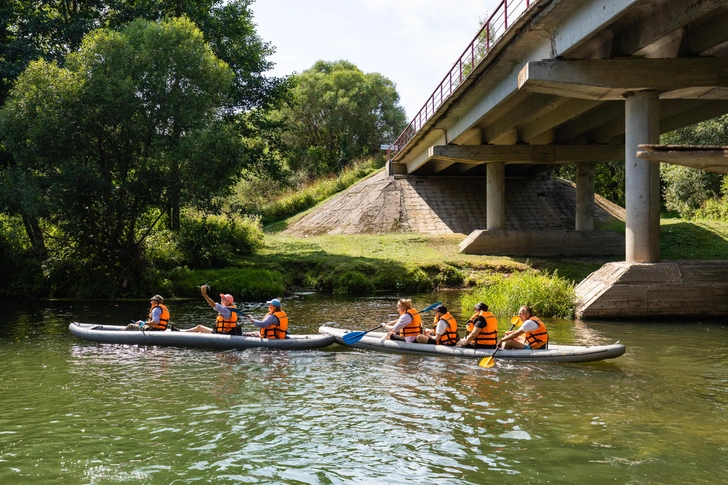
x,y
408,326
274,325
445,331
158,317
535,335
227,315
482,329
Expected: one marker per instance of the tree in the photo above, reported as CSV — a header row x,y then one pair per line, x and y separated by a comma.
x,y
685,189
51,30
338,113
133,117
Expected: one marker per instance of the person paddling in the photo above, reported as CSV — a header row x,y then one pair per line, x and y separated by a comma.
x,y
227,315
408,326
158,318
533,330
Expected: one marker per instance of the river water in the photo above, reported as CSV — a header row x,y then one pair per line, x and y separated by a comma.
x,y
76,412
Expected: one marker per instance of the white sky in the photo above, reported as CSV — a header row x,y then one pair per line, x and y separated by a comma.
x,y
412,42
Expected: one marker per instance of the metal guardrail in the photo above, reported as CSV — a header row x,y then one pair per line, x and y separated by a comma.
x,y
505,15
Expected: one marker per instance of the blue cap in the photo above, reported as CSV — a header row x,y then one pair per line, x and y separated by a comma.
x,y
275,302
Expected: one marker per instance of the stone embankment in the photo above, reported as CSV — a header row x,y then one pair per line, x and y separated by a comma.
x,y
445,205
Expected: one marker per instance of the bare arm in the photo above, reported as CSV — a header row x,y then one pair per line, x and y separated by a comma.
x,y
209,301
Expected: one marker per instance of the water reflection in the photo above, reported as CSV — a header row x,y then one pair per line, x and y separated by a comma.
x,y
79,412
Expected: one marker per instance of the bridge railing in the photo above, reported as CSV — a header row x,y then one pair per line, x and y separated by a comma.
x,y
505,15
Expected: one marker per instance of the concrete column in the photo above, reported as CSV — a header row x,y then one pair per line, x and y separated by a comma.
x,y
585,196
495,203
642,178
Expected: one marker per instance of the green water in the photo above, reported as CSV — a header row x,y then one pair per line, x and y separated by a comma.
x,y
76,412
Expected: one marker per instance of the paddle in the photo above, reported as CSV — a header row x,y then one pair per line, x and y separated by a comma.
x,y
353,337
490,360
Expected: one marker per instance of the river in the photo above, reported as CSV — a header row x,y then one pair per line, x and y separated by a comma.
x,y
76,412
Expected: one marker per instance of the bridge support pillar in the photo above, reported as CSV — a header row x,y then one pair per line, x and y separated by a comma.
x,y
642,191
495,203
585,196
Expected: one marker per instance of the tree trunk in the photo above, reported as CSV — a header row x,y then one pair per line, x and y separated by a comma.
x,y
32,228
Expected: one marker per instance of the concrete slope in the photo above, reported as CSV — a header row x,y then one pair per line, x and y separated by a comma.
x,y
445,205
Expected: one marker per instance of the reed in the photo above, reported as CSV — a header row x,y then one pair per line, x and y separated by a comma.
x,y
547,294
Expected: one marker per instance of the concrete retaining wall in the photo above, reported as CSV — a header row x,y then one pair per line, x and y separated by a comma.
x,y
648,290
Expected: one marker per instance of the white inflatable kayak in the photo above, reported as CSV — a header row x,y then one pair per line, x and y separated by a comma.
x,y
115,334
554,353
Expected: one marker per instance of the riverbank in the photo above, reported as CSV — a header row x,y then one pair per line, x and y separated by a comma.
x,y
409,263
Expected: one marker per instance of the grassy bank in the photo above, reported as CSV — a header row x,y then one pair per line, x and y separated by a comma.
x,y
409,263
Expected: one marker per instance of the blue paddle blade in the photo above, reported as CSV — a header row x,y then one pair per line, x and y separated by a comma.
x,y
434,305
353,337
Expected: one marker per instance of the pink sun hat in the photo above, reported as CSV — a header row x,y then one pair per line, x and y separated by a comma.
x,y
227,297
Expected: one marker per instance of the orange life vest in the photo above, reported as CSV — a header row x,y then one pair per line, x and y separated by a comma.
x,y
226,326
276,331
450,337
414,327
537,338
163,318
488,335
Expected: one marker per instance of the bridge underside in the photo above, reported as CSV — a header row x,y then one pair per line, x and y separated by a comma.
x,y
584,82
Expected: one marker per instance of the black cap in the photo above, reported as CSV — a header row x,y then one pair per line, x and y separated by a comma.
x,y
441,309
481,306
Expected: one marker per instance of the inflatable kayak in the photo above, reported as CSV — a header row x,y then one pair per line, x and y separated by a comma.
x,y
115,334
554,353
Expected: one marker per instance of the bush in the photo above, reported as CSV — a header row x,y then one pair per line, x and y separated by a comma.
x,y
686,189
547,294
243,283
211,241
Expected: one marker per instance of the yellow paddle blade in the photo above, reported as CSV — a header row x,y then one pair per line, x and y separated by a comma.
x,y
487,361
515,320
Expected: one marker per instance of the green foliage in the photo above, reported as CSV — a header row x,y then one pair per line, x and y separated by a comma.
x,y
685,189
713,209
245,283
22,273
210,241
130,125
547,294
303,198
609,181
337,114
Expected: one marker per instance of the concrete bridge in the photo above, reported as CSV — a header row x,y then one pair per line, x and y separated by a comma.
x,y
550,82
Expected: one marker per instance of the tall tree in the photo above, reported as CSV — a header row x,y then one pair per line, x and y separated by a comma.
x,y
133,116
338,113
51,29
685,189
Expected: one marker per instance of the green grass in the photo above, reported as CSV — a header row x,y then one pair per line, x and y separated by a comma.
x,y
409,263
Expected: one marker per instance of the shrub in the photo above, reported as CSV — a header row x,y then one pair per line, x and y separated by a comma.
x,y
547,294
211,241
686,189
242,283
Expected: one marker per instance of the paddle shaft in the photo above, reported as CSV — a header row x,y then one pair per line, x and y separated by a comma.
x,y
490,361
354,337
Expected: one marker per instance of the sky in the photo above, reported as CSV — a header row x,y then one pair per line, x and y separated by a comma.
x,y
414,43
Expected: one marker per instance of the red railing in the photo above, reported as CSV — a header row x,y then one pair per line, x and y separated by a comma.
x,y
505,14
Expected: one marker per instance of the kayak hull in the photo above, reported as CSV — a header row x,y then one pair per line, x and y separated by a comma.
x,y
115,334
555,353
